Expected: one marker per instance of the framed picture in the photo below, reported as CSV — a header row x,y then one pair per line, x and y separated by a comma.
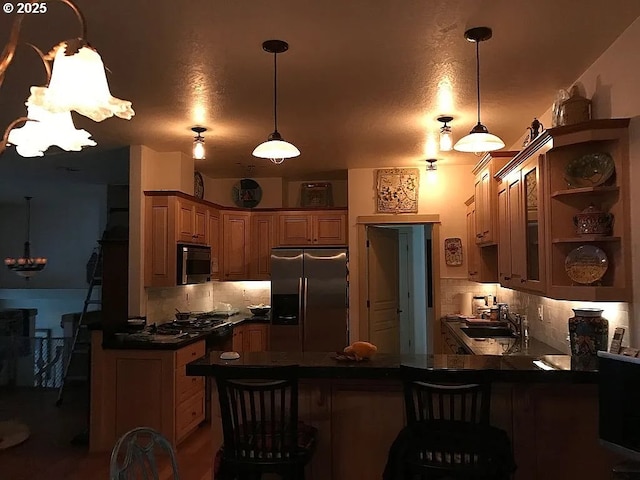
x,y
453,251
316,195
397,190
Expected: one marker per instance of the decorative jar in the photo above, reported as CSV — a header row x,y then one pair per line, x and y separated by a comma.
x,y
592,221
588,331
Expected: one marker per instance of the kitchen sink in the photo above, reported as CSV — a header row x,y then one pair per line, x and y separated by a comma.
x,y
478,331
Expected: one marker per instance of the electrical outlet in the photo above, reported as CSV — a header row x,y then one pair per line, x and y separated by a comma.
x,y
540,313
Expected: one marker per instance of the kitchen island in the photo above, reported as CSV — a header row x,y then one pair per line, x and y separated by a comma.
x,y
550,415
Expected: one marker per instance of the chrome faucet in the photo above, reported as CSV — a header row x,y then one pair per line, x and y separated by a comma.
x,y
515,321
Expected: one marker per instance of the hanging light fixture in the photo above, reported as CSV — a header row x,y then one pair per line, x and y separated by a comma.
x,y
431,164
479,139
26,266
76,80
446,139
198,143
275,148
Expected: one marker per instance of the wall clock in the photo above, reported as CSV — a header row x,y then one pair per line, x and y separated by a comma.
x,y
198,185
246,193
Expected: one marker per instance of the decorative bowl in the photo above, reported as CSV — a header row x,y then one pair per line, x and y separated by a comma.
x,y
590,170
586,264
259,310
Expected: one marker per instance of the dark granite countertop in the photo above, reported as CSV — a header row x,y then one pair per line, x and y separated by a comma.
x,y
125,343
520,368
494,346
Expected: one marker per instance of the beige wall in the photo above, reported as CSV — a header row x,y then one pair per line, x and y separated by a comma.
x,y
339,189
445,197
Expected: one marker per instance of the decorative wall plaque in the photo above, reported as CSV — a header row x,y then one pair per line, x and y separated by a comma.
x,y
397,190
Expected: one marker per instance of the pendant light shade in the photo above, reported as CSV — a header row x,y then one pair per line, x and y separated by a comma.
x,y
78,82
446,138
479,139
45,129
199,152
275,148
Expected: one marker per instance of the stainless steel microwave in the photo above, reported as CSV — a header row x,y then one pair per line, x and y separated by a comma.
x,y
194,264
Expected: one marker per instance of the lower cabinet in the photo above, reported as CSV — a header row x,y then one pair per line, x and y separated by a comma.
x,y
132,388
251,337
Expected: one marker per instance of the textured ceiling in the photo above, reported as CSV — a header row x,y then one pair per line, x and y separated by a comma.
x,y
359,87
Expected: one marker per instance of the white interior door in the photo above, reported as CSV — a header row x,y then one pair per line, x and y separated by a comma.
x,y
383,305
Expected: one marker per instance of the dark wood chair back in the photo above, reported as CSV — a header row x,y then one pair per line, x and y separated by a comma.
x,y
134,456
259,407
461,395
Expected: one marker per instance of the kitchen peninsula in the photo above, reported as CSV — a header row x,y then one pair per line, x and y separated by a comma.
x,y
358,408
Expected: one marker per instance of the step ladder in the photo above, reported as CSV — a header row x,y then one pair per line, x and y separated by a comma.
x,y
77,365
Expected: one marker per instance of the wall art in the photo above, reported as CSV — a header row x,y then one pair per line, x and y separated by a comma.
x,y
453,251
397,190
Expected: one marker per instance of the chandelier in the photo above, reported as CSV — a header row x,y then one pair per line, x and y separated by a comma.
x,y
76,81
26,266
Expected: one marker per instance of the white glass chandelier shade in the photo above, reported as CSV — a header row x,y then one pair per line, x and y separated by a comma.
x,y
276,150
477,142
198,149
446,139
79,83
47,129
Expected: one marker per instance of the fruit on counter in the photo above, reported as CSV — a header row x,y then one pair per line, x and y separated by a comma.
x,y
361,349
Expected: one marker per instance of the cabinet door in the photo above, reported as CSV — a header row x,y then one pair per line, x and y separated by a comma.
x,y
200,224
255,338
214,243
487,207
533,225
472,249
295,229
478,214
504,239
238,338
186,221
263,239
330,229
516,230
235,245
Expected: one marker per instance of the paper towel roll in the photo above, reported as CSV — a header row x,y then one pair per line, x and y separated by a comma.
x,y
465,304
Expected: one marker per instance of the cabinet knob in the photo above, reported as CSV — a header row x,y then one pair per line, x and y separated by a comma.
x,y
522,280
507,278
479,235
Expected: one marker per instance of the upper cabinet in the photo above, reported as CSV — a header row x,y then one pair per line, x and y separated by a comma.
x,y
240,240
563,213
312,228
481,262
486,196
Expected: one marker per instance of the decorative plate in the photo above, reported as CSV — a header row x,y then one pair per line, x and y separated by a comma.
x,y
198,185
246,193
586,264
590,170
453,251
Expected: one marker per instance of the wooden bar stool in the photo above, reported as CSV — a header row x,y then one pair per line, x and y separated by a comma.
x,y
260,427
448,434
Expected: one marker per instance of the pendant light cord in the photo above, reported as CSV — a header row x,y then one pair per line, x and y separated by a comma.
x,y
28,218
275,92
478,76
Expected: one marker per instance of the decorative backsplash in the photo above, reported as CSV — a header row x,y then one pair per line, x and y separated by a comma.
x,y
452,290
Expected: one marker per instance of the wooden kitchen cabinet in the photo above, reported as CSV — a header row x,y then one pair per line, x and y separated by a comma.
x,y
263,239
251,337
236,250
192,222
130,388
312,228
537,205
482,263
214,242
486,196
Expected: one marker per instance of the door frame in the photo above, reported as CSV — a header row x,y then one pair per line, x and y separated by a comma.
x,y
362,222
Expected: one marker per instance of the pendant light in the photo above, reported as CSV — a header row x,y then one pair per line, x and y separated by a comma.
x,y
198,143
26,266
479,139
446,139
275,148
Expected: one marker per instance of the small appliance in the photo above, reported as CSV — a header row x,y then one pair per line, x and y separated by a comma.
x,y
194,264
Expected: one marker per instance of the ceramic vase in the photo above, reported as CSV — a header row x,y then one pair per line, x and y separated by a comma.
x,y
588,331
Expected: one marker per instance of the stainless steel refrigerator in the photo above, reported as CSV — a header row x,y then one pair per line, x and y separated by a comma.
x,y
309,299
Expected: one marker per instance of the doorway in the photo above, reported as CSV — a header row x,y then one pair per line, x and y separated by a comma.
x,y
399,286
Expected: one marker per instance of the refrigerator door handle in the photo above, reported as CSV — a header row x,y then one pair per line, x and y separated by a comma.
x,y
305,284
301,312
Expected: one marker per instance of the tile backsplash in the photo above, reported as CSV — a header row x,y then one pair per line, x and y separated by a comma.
x,y
162,302
553,328
452,290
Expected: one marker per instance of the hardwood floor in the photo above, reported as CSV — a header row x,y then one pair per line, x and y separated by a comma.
x,y
49,454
